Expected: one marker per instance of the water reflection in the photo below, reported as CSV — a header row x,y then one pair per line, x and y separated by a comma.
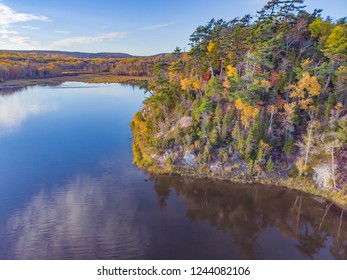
x,y
86,218
68,190
113,216
16,108
11,89
66,178
262,220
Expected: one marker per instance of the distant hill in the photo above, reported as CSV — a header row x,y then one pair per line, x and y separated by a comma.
x,y
78,54
34,64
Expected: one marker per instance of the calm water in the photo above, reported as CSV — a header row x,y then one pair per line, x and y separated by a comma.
x,y
68,190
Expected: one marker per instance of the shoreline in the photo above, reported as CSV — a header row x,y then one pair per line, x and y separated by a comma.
x,y
304,185
86,78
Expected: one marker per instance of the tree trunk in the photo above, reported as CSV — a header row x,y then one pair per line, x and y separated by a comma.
x,y
338,231
333,166
221,69
211,69
308,144
271,121
327,84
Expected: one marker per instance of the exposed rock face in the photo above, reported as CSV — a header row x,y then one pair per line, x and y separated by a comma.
x,y
322,176
185,122
215,167
189,159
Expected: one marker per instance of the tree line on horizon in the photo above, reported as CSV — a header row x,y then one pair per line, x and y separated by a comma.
x,y
16,65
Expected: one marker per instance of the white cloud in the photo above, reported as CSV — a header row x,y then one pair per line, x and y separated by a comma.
x,y
106,26
156,26
8,16
30,27
13,37
21,41
62,31
4,30
87,39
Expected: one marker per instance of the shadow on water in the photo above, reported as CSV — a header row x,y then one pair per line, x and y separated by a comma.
x,y
250,212
11,90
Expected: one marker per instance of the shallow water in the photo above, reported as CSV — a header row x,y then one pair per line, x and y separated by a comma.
x,y
68,190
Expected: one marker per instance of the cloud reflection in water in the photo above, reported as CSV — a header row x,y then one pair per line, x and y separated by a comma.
x,y
14,109
56,224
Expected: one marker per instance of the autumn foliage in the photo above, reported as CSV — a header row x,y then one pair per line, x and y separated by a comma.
x,y
263,95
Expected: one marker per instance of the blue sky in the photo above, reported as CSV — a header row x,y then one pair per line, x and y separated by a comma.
x,y
137,27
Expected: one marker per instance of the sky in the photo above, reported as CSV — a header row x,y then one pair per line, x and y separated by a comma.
x,y
137,27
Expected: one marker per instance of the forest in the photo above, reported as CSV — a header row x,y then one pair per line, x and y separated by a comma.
x,y
16,65
140,66
260,99
22,65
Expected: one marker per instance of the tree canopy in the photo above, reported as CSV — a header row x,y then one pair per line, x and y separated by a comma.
x,y
260,92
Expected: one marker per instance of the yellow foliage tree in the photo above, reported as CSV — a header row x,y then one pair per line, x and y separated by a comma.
x,y
248,112
197,85
226,83
336,43
263,83
185,57
307,88
266,85
185,83
231,71
210,47
191,82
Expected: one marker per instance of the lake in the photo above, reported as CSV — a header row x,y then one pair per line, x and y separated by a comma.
x,y
68,190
